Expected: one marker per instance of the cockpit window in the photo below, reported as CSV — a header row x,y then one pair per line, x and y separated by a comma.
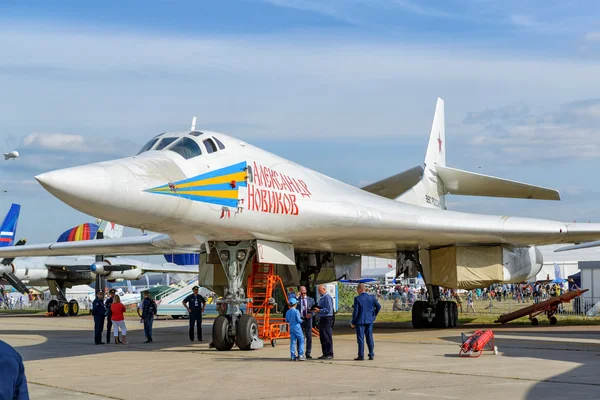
x,y
187,148
196,133
221,145
164,143
148,145
210,146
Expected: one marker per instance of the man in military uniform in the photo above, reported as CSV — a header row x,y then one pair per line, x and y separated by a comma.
x,y
147,314
108,303
99,313
195,304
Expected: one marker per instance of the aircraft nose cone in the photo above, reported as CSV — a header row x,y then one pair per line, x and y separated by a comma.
x,y
78,184
113,190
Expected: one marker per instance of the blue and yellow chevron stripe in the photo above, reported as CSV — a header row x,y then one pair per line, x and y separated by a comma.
x,y
212,187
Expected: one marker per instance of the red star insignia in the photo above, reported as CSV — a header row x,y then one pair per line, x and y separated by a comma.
x,y
440,141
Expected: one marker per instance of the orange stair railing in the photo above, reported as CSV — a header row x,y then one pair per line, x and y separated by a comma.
x,y
261,284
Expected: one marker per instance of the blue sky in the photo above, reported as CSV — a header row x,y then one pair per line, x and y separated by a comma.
x,y
344,87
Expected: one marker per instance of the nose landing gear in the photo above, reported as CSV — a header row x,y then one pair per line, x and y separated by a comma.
x,y
233,327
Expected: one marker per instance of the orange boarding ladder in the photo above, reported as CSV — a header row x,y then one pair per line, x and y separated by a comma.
x,y
261,284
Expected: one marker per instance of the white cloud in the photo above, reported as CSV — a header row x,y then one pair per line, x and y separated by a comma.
x,y
56,141
592,36
571,131
524,21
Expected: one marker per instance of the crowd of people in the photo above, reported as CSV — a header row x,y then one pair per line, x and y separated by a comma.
x,y
301,312
404,296
112,311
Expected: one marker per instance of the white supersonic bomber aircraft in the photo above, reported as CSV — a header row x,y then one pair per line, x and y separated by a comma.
x,y
209,193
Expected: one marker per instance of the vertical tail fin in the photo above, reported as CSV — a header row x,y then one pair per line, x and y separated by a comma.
x,y
8,229
436,149
427,193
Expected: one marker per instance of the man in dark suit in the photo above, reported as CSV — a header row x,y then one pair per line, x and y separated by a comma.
x,y
305,303
366,308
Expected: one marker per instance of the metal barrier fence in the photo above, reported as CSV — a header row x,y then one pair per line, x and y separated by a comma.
x,y
581,306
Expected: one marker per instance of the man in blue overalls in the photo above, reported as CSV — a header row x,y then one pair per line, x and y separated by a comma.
x,y
99,313
195,304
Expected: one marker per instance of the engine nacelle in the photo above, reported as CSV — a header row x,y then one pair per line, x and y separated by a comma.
x,y
521,263
471,267
130,274
98,268
7,269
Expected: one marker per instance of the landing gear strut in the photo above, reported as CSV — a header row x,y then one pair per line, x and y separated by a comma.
x,y
233,327
59,305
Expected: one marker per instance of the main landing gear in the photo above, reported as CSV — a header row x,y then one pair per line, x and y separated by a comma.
x,y
434,313
233,327
59,305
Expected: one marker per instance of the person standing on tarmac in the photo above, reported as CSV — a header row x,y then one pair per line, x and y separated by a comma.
x,y
195,304
147,315
13,383
292,317
325,312
305,304
99,313
109,324
366,307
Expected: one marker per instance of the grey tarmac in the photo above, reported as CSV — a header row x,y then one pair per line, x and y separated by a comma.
x,y
541,362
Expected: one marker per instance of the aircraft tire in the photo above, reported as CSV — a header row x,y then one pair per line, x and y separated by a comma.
x,y
534,321
553,320
418,322
63,309
453,314
73,308
247,330
175,316
442,315
220,334
53,307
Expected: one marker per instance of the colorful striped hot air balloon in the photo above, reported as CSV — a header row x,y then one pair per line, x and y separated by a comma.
x,y
82,232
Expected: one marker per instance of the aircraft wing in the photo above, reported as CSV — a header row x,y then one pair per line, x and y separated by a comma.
x,y
170,268
578,246
394,186
135,245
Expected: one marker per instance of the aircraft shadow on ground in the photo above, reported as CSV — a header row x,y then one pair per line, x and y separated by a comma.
x,y
580,381
67,343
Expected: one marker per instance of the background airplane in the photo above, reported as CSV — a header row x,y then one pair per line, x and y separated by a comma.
x,y
210,193
60,273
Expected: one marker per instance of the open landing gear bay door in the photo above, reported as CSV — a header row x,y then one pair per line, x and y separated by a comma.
x,y
269,252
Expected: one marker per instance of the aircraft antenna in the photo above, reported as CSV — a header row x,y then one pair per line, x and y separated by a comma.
x,y
194,123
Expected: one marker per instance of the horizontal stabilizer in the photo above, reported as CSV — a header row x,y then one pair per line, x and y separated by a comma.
x,y
394,186
456,181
